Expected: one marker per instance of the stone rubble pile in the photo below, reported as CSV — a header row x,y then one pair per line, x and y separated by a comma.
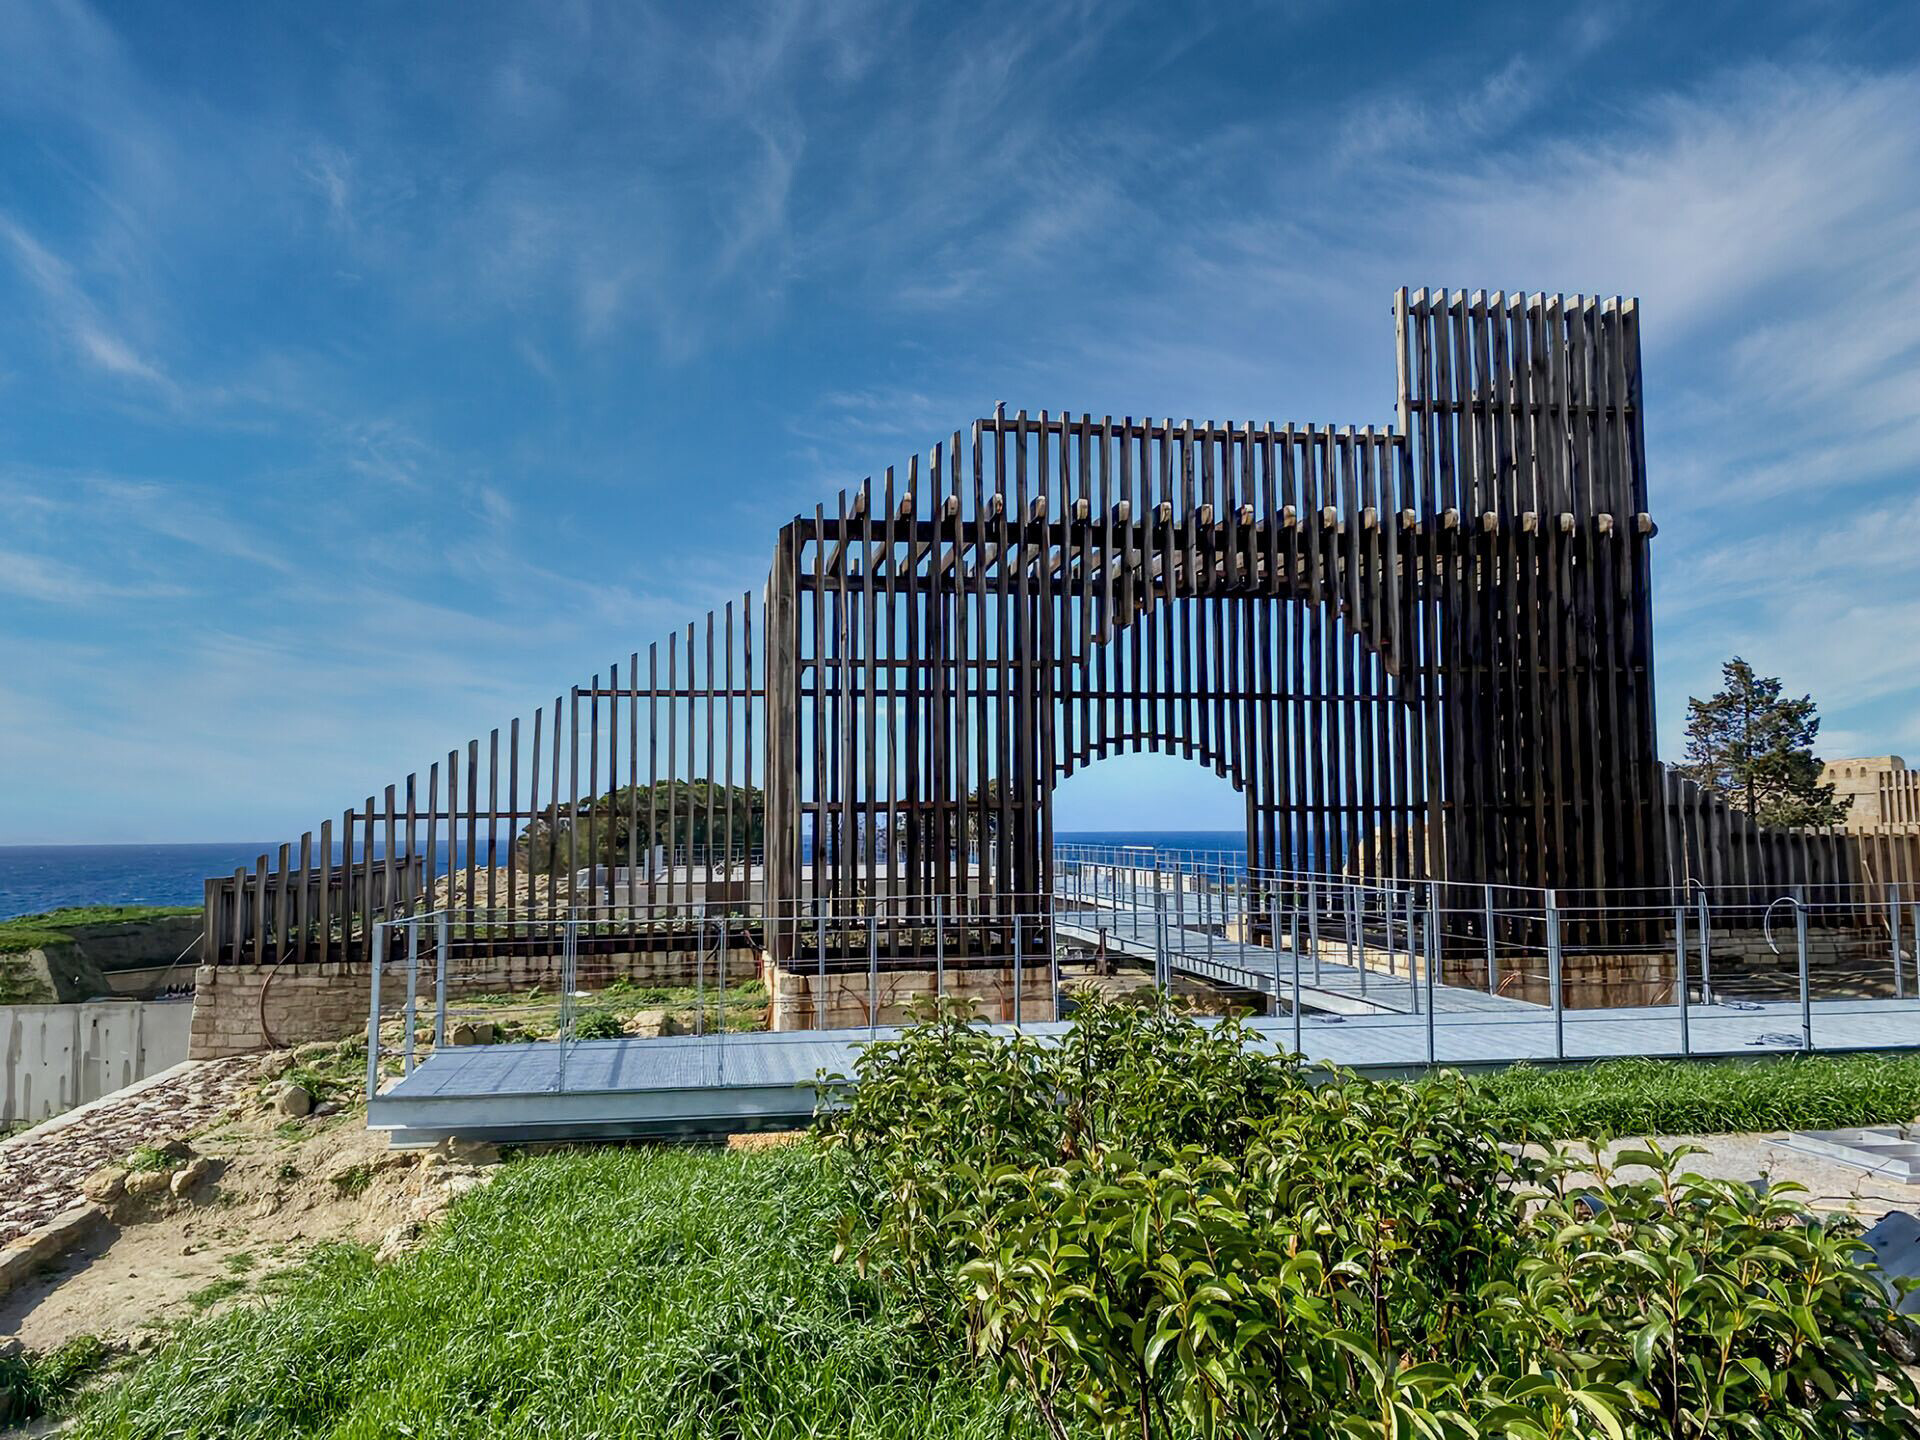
x,y
43,1171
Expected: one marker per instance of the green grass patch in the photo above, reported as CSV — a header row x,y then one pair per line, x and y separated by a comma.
x,y
55,927
212,1294
354,1180
152,1157
33,1385
647,1292
1612,1098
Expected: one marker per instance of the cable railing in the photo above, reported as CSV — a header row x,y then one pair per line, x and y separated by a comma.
x,y
1443,964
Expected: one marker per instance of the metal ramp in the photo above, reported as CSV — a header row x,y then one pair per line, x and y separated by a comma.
x,y
1892,1151
713,1084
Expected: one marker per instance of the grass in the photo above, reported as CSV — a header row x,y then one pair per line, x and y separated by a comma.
x,y
34,1385
55,927
612,1292
1615,1098
214,1292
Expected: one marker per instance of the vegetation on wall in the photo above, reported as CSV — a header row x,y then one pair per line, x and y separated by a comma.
x,y
55,927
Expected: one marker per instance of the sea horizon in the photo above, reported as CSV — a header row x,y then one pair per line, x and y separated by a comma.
x,y
38,878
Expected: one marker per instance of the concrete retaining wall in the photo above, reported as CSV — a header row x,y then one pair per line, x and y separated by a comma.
x,y
55,1057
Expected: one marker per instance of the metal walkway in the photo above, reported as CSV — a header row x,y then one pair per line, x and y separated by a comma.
x,y
1330,982
681,1085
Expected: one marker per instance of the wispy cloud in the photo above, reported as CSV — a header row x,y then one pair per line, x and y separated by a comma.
x,y
74,314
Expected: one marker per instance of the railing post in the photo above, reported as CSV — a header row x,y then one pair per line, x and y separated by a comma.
x,y
1346,921
873,979
413,990
699,972
1161,970
1431,959
1680,970
1294,927
1313,924
373,1011
1413,988
1017,938
1493,946
939,948
1211,894
1706,950
820,947
1393,957
441,958
1893,933
720,1048
1053,965
1553,976
1806,987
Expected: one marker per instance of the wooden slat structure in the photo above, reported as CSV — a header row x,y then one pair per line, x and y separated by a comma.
x,y
1419,651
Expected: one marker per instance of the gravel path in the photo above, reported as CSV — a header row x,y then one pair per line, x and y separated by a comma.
x,y
41,1170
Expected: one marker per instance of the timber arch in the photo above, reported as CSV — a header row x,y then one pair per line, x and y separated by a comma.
x,y
1423,648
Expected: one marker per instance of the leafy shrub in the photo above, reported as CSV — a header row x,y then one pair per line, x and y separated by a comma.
x,y
1153,1229
597,1025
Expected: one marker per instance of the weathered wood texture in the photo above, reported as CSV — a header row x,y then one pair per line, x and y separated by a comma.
x,y
1417,652
1422,651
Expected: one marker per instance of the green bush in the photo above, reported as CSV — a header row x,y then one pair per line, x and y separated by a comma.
x,y
597,1025
1153,1230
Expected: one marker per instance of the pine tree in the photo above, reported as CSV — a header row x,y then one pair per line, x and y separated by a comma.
x,y
1754,749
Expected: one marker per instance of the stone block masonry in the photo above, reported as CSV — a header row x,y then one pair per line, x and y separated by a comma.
x,y
853,998
315,1001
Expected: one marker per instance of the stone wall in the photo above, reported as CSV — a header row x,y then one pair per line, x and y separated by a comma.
x,y
316,1001
1851,964
850,998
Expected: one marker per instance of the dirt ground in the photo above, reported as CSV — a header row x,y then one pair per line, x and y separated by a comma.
x,y
276,1187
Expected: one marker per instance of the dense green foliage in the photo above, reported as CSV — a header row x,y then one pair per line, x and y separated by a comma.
x,y
1615,1098
1147,1222
1152,1230
56,927
1753,747
614,1292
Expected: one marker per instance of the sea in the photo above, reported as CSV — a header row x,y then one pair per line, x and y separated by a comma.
x,y
37,878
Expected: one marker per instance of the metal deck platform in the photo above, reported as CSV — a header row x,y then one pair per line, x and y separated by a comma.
x,y
688,1084
1329,981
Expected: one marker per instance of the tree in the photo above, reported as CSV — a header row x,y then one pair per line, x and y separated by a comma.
x,y
623,828
1754,749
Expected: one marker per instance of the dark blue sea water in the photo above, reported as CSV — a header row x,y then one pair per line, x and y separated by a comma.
x,y
46,877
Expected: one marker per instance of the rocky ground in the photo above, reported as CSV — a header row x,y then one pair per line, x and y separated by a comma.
x,y
203,1190
42,1170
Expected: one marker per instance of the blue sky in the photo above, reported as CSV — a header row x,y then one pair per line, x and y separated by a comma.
x,y
369,371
